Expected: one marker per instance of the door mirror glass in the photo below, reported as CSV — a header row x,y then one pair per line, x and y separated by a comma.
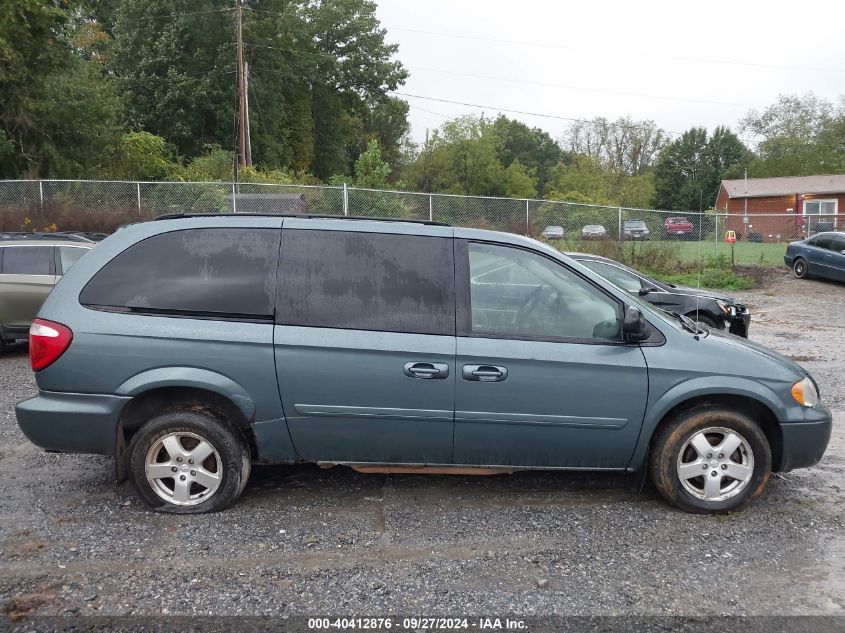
x,y
634,325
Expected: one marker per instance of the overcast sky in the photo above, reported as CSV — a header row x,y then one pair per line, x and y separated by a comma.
x,y
695,63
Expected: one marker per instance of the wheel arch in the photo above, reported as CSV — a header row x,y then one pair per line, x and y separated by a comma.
x,y
157,399
755,408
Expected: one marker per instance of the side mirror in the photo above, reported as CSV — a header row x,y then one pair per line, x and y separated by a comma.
x,y
634,325
645,291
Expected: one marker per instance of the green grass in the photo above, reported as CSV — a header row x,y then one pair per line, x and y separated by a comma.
x,y
712,278
745,253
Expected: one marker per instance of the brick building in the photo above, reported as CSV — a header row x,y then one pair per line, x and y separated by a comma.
x,y
806,204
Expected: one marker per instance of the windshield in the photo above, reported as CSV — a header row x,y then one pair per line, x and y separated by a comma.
x,y
635,224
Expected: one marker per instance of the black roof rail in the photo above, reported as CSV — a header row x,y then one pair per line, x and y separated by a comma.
x,y
61,235
307,216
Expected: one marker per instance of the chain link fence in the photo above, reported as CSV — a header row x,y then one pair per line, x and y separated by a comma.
x,y
619,232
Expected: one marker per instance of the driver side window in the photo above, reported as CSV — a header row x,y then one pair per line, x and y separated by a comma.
x,y
522,294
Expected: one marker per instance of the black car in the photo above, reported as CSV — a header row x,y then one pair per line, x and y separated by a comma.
x,y
705,307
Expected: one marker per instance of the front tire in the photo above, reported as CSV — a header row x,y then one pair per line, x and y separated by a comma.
x,y
710,460
800,268
703,319
187,462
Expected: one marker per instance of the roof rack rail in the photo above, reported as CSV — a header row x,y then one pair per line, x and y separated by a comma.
x,y
307,216
59,235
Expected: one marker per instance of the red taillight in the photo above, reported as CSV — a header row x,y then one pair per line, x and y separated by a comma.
x,y
48,340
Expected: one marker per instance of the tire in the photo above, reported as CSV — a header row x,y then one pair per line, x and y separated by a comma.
x,y
800,268
704,320
167,443
674,452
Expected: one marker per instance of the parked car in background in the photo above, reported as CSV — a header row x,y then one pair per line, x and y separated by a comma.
x,y
553,233
593,232
702,306
30,265
635,230
822,255
189,347
677,227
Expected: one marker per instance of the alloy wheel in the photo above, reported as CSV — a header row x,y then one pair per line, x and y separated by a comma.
x,y
715,464
183,468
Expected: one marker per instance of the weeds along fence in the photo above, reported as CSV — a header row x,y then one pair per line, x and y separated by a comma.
x,y
619,232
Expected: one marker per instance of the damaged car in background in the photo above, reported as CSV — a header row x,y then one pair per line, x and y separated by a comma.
x,y
702,306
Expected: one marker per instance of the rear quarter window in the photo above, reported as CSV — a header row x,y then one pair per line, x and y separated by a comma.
x,y
226,272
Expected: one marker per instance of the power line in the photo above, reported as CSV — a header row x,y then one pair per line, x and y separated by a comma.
x,y
444,116
628,53
570,87
181,13
524,112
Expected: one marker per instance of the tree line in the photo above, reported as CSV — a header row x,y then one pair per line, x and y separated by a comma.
x,y
145,89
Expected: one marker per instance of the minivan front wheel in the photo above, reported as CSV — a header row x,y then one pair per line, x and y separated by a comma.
x,y
187,462
710,460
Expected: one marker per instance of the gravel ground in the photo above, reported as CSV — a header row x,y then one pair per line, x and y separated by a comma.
x,y
308,541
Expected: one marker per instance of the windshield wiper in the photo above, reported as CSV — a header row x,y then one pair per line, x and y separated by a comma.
x,y
687,323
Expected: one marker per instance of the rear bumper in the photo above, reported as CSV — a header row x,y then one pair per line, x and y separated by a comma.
x,y
804,443
14,333
71,422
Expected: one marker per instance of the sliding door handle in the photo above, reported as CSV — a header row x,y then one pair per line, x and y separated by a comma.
x,y
484,373
426,370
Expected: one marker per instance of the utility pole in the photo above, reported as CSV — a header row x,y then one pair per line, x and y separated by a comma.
x,y
248,153
242,130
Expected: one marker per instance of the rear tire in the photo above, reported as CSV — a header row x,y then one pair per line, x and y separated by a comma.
x,y
188,462
800,268
735,473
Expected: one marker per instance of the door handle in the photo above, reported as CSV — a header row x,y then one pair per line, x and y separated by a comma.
x,y
426,370
484,373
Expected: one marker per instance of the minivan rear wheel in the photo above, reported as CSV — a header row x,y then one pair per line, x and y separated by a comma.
x,y
187,462
710,460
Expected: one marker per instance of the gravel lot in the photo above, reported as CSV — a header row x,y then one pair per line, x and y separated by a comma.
x,y
307,541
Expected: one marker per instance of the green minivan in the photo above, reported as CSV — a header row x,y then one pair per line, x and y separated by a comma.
x,y
190,347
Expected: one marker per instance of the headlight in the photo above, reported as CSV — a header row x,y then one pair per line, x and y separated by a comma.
x,y
805,394
723,306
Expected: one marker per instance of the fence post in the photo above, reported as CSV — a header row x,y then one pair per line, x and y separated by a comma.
x,y
430,208
41,195
138,185
716,237
234,199
345,200
619,227
527,221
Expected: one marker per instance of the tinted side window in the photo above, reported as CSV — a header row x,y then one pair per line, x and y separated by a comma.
x,y
27,260
367,281
225,271
822,241
837,243
519,294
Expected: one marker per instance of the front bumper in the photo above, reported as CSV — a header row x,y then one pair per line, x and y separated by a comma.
x,y
71,422
804,443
